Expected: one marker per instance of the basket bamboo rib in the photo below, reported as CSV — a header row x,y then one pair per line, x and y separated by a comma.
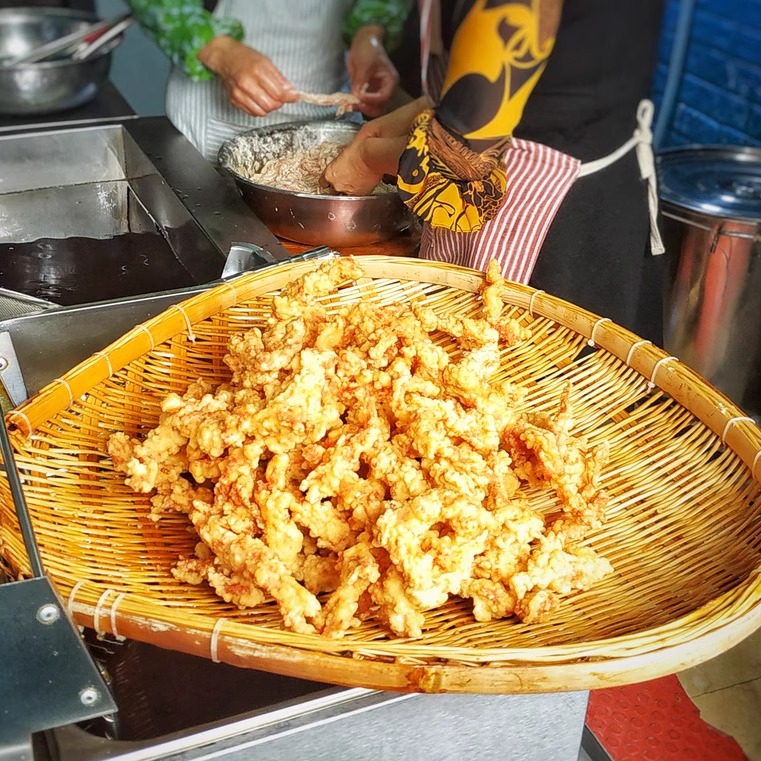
x,y
683,530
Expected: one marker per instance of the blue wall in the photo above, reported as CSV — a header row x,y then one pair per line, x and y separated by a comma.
x,y
138,68
719,95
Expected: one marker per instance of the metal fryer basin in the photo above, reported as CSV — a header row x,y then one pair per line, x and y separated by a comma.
x,y
109,210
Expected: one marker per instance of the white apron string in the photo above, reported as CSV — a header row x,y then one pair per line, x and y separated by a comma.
x,y
642,140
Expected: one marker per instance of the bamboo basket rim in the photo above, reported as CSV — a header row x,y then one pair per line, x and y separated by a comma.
x,y
399,664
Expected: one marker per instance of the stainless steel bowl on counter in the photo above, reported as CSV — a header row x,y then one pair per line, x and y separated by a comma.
x,y
330,220
52,85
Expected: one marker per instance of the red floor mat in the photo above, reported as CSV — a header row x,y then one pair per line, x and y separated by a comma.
x,y
656,721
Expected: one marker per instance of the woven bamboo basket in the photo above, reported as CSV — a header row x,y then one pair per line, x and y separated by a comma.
x,y
683,530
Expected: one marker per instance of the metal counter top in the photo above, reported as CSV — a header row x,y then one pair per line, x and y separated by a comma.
x,y
362,725
107,104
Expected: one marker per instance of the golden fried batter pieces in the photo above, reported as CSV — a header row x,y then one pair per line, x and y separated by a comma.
x,y
352,467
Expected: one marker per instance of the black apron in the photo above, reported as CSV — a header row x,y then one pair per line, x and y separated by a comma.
x,y
597,251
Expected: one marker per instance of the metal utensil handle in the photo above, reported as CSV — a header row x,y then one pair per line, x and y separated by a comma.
x,y
246,257
19,501
85,51
62,43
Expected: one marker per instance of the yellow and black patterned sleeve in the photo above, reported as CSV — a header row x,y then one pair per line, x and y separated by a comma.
x,y
452,172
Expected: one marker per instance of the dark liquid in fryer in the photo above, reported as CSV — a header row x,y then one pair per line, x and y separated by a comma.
x,y
81,270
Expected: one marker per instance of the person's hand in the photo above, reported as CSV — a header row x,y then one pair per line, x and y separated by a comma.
x,y
374,152
252,82
373,77
349,173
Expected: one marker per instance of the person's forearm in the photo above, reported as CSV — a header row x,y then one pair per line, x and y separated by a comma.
x,y
399,121
410,111
381,154
182,28
452,174
497,56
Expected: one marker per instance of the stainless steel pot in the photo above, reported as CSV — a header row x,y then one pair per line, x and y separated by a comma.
x,y
711,210
48,86
328,220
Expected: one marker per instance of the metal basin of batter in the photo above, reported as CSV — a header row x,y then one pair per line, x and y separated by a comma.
x,y
330,220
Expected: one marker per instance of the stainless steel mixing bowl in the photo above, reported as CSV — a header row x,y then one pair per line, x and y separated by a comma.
x,y
336,221
48,86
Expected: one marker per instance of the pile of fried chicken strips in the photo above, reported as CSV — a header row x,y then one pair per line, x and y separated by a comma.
x,y
366,462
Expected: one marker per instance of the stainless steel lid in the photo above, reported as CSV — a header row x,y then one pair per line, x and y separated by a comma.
x,y
719,181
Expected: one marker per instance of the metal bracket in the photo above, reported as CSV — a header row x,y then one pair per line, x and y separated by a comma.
x,y
48,677
247,257
11,377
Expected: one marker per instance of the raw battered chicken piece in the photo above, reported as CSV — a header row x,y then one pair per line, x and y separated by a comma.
x,y
343,101
353,467
301,169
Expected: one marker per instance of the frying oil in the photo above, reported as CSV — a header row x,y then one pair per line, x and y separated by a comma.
x,y
81,270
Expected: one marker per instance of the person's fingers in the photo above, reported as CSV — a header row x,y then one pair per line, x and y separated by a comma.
x,y
351,68
328,175
270,79
373,103
372,97
268,99
334,178
371,111
249,106
380,84
323,182
359,87
254,84
275,87
260,94
385,90
256,103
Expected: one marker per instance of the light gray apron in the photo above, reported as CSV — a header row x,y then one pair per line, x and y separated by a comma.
x,y
301,37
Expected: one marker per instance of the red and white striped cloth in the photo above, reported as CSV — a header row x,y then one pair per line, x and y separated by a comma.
x,y
538,179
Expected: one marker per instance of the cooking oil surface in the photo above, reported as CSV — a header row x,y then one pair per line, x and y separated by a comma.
x,y
80,270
